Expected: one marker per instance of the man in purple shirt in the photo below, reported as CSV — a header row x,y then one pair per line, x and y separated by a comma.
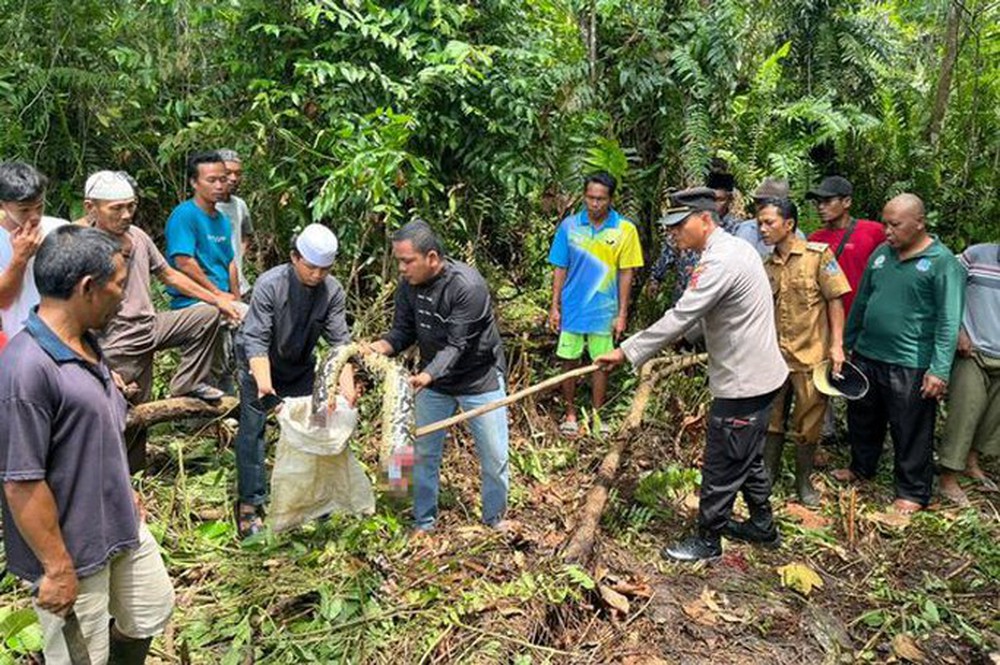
x,y
73,525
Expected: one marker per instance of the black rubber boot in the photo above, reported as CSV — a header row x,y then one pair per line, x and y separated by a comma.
x,y
759,529
127,651
773,445
805,455
702,546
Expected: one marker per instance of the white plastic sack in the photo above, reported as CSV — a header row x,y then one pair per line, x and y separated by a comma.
x,y
315,473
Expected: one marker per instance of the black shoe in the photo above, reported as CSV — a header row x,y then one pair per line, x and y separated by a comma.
x,y
749,532
694,548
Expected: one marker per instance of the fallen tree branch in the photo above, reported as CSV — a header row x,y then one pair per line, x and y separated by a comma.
x,y
581,544
176,408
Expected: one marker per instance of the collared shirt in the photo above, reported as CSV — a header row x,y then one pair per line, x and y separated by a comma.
x,y
982,297
683,261
285,321
729,291
192,232
63,422
908,312
803,284
450,319
592,257
749,230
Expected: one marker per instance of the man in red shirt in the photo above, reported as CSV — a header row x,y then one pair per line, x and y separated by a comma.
x,y
852,242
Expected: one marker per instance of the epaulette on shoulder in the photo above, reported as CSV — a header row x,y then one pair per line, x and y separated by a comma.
x,y
817,246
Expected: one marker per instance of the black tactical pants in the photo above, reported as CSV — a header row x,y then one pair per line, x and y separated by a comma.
x,y
733,460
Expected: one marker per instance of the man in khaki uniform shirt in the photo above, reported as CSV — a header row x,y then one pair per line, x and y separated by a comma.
x,y
808,287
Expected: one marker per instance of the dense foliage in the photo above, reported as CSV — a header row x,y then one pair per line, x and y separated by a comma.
x,y
481,116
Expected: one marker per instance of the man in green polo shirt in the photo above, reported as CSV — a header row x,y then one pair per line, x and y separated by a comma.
x,y
903,329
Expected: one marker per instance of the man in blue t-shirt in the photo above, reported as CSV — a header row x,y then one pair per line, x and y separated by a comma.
x,y
198,235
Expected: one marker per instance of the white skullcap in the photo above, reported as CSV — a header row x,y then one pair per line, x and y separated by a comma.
x,y
317,245
109,186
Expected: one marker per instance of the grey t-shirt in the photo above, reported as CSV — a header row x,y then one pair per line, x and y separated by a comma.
x,y
63,422
982,297
238,212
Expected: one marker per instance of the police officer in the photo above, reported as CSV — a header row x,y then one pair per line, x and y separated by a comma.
x,y
729,293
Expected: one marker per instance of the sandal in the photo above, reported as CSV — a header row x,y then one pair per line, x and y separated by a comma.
x,y
569,427
956,496
984,483
248,521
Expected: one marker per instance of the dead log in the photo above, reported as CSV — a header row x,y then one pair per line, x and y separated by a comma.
x,y
581,543
177,408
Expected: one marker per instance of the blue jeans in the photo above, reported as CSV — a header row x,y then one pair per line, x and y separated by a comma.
x,y
251,477
490,433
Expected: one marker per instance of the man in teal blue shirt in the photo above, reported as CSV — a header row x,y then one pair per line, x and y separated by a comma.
x,y
199,236
902,330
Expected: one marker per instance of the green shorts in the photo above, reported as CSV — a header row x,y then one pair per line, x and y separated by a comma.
x,y
571,345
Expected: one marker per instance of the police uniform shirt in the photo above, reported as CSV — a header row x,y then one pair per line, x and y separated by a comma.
x,y
729,292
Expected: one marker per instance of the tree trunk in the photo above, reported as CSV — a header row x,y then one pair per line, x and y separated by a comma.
x,y
176,408
947,70
581,543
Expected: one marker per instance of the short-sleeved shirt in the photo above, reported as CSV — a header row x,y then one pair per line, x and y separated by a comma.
x,y
592,257
908,312
238,212
982,297
853,258
803,284
206,238
132,327
285,321
63,422
13,318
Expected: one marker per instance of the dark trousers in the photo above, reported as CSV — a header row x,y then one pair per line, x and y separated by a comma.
x,y
733,463
894,398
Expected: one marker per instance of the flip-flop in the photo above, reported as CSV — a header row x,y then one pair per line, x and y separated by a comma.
x,y
569,427
984,484
958,497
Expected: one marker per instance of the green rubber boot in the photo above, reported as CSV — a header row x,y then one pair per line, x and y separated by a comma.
x,y
805,455
773,445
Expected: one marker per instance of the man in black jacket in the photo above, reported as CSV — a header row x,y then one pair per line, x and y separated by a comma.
x,y
444,307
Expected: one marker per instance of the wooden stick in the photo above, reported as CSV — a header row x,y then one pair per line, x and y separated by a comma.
x,y
509,399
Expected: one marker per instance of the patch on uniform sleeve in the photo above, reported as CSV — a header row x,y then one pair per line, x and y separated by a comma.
x,y
817,246
831,267
924,264
695,274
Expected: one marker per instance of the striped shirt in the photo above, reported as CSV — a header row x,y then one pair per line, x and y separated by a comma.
x,y
982,297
